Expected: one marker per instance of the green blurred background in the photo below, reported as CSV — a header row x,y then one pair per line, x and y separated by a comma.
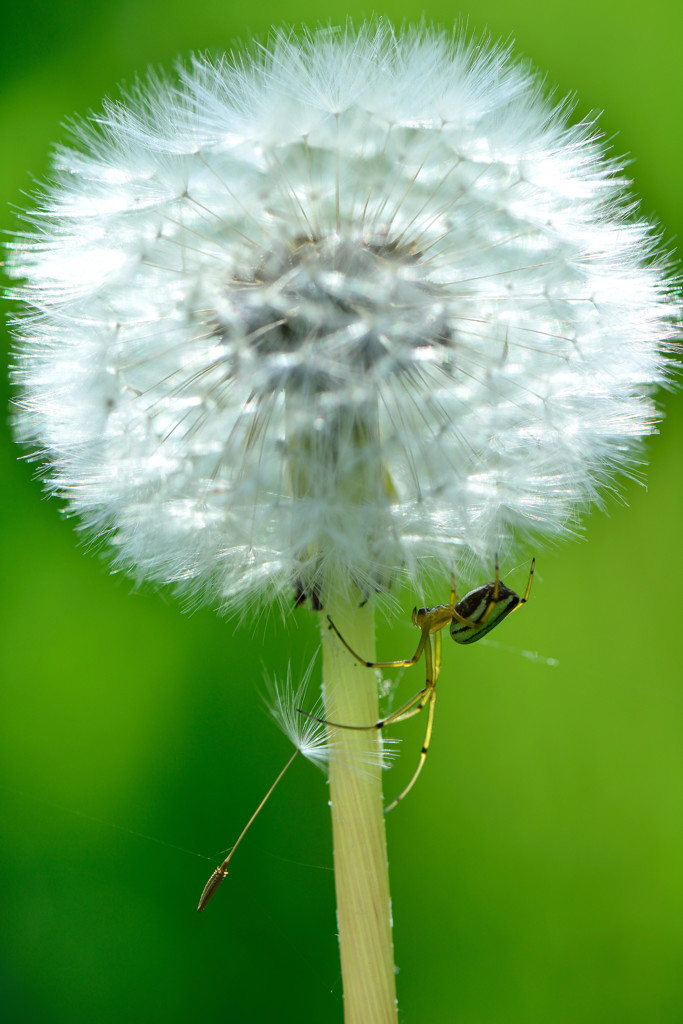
x,y
537,867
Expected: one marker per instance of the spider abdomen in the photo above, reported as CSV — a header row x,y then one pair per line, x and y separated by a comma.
x,y
484,608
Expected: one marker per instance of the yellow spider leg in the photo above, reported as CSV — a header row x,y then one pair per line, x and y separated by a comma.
x,y
423,752
404,663
528,586
433,660
454,593
468,622
454,600
494,600
415,705
431,645
433,668
408,709
496,589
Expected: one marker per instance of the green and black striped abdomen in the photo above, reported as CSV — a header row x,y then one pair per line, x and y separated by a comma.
x,y
484,609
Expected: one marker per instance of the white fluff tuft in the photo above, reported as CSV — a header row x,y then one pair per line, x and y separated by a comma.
x,y
354,304
309,734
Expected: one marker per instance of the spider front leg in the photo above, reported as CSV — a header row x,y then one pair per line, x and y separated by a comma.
x,y
404,663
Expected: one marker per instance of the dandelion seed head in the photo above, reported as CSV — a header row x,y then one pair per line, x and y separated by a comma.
x,y
355,303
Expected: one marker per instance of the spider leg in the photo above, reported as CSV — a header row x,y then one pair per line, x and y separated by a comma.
x,y
494,599
433,659
423,752
430,644
528,586
403,663
407,710
468,622
416,702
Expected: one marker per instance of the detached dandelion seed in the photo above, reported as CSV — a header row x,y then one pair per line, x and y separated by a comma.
x,y
307,734
358,306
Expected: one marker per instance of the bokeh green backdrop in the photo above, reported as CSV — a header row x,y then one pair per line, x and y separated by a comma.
x,y
536,869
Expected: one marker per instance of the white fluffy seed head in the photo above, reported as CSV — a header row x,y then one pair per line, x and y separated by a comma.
x,y
353,304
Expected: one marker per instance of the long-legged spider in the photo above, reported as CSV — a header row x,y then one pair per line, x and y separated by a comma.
x,y
470,618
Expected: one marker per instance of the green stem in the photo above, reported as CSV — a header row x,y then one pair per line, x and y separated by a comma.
x,y
360,854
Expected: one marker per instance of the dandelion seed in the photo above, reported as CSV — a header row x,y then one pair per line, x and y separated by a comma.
x,y
308,735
